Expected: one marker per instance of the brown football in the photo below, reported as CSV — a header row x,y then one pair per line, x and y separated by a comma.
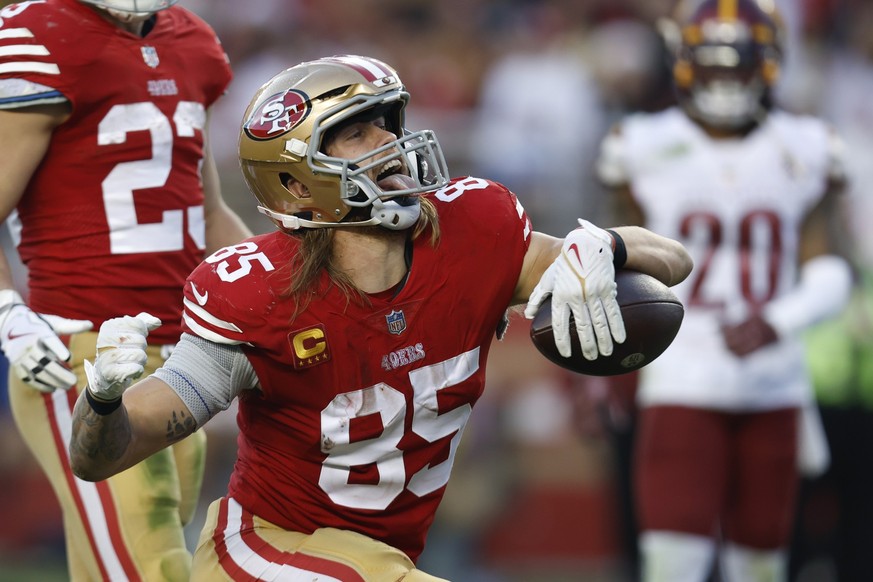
x,y
652,315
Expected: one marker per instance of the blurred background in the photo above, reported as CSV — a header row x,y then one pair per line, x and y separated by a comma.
x,y
522,92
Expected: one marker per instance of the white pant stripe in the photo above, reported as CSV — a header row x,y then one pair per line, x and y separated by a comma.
x,y
256,565
94,514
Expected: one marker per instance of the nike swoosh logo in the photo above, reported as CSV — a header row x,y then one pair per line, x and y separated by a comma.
x,y
574,268
575,249
201,299
12,335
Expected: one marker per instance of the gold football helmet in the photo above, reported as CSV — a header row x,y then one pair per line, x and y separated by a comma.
x,y
728,54
283,140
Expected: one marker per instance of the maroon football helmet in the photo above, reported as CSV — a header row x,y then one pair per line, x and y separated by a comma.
x,y
727,60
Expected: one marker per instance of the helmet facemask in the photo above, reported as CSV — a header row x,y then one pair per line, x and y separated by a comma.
x,y
727,91
129,11
402,168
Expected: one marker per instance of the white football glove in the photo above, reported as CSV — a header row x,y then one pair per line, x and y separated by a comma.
x,y
121,355
581,281
31,344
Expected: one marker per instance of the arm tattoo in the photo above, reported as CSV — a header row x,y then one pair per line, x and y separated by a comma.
x,y
180,426
98,439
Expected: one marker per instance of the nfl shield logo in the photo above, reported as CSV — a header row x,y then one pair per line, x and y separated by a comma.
x,y
396,322
150,56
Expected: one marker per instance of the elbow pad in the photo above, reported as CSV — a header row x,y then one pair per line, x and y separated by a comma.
x,y
823,290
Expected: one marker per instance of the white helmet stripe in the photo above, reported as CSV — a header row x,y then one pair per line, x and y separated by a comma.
x,y
371,69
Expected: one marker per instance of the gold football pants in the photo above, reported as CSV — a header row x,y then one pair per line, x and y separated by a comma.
x,y
128,527
236,545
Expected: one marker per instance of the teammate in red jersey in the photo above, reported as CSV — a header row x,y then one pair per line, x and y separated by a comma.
x,y
113,200
354,337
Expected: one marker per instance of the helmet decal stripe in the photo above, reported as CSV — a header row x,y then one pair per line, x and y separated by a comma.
x,y
727,10
371,69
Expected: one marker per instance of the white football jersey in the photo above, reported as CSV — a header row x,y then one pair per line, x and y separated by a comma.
x,y
738,206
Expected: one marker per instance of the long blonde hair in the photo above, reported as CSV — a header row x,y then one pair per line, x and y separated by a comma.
x,y
316,254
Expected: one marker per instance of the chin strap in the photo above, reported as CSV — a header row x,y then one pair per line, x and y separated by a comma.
x,y
395,216
389,214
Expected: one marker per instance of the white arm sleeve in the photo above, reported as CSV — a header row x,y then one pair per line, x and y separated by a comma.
x,y
611,165
823,290
207,376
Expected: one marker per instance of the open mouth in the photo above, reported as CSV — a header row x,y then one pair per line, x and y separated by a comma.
x,y
391,177
389,169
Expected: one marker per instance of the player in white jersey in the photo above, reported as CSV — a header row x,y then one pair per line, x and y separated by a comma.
x,y
749,190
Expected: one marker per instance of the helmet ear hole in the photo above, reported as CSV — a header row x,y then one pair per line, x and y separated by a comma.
x,y
295,187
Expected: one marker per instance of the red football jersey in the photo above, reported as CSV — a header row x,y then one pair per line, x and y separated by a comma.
x,y
362,407
113,217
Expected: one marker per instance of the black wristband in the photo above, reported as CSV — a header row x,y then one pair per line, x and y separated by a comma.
x,y
102,407
619,253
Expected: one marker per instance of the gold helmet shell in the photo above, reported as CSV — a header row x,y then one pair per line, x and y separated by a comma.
x,y
283,136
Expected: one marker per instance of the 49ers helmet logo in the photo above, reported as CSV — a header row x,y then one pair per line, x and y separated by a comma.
x,y
277,115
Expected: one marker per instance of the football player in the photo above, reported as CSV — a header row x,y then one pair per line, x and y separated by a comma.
x,y
354,337
113,200
750,190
